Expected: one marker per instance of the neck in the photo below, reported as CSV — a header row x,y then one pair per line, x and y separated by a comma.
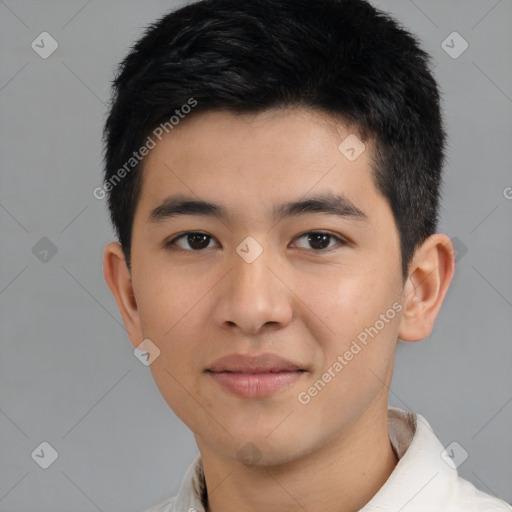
x,y
342,476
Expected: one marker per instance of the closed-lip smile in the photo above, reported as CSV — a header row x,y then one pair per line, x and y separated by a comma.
x,y
254,376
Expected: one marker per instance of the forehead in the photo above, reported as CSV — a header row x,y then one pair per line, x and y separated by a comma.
x,y
257,159
293,133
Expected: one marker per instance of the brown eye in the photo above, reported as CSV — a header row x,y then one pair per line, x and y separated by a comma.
x,y
193,241
319,241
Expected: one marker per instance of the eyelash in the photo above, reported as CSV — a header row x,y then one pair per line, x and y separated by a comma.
x,y
170,244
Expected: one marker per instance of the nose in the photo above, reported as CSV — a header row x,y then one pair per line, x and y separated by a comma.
x,y
254,297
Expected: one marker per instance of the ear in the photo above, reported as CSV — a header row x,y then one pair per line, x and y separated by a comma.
x,y
118,279
430,274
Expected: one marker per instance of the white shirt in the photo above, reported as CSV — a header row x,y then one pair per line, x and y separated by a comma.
x,y
424,480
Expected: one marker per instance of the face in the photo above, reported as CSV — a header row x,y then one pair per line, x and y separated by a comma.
x,y
319,285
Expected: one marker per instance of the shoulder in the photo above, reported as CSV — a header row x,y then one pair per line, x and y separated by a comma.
x,y
471,499
422,463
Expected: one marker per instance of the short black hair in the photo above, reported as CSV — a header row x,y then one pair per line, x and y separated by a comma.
x,y
344,58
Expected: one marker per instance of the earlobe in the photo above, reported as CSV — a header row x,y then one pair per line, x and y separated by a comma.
x,y
118,279
431,272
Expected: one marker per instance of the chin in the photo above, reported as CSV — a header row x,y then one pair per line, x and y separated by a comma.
x,y
254,455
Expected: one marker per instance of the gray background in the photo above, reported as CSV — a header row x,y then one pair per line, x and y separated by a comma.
x,y
68,372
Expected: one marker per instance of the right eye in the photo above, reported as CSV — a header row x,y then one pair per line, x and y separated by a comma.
x,y
195,240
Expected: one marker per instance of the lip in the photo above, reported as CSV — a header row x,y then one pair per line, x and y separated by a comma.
x,y
262,363
254,376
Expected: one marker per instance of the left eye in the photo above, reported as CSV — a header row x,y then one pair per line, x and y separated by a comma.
x,y
199,241
320,241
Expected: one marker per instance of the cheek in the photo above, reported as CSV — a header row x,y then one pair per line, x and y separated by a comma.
x,y
169,314
172,324
358,358
165,301
345,304
360,316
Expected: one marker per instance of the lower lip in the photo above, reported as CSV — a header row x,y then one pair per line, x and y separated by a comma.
x,y
255,385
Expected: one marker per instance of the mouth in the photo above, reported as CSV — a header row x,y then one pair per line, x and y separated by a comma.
x,y
256,384
254,376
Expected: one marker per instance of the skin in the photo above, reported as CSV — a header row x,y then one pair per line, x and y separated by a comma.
x,y
295,300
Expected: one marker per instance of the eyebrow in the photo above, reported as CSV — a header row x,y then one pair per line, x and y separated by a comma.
x,y
331,204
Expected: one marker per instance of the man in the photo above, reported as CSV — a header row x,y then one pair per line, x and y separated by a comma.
x,y
273,170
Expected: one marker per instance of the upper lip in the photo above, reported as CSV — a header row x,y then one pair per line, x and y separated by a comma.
x,y
262,363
